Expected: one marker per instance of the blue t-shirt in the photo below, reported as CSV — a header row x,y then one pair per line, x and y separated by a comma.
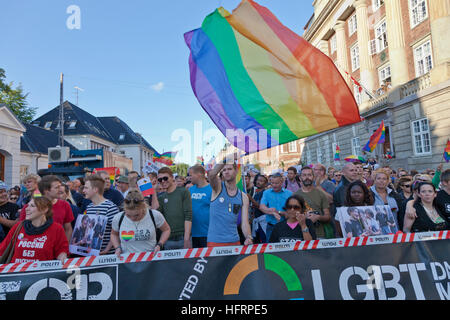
x,y
201,199
275,200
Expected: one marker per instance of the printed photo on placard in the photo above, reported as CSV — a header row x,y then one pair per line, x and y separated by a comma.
x,y
87,235
366,221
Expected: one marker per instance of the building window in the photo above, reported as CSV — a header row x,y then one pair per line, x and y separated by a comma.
x,y
418,11
373,47
421,137
356,147
352,25
319,155
423,59
376,4
354,53
36,123
308,156
72,124
384,74
48,124
122,137
293,146
381,36
333,44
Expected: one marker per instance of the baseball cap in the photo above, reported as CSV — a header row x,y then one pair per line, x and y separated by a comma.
x,y
3,185
122,179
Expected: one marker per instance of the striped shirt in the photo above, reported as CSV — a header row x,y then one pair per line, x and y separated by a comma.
x,y
108,209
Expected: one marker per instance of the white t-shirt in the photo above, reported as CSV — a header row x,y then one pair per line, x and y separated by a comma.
x,y
138,236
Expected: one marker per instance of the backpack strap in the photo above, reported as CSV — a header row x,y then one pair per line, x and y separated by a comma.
x,y
153,217
121,219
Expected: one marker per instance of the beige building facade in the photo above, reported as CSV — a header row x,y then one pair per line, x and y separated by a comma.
x,y
398,51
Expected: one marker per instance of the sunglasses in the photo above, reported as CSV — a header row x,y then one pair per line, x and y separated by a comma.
x,y
407,185
135,201
163,179
289,207
14,198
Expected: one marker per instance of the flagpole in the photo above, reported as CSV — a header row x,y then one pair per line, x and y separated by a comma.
x,y
364,88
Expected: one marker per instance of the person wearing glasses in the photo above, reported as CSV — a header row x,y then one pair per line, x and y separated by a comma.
x,y
297,227
8,211
176,206
405,186
134,230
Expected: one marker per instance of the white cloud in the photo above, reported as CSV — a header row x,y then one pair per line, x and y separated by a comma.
x,y
157,87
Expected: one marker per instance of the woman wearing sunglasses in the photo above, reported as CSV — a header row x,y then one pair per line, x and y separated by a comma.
x,y
135,229
297,227
405,185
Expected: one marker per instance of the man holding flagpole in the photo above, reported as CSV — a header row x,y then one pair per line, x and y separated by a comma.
x,y
226,203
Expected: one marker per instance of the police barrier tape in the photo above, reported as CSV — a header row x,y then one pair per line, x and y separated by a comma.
x,y
396,267
223,251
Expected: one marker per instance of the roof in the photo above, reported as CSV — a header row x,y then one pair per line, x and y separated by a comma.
x,y
122,133
77,122
37,139
85,123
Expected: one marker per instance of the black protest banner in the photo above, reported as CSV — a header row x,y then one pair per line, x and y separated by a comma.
x,y
403,271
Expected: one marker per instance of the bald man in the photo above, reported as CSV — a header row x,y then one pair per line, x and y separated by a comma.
x,y
349,174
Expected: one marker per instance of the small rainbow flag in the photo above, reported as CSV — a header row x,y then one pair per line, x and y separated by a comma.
x,y
112,171
250,73
239,181
337,154
166,158
447,152
378,137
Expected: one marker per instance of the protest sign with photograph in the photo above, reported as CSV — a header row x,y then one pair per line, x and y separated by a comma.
x,y
366,221
87,236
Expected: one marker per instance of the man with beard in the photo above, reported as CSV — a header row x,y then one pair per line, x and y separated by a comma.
x,y
317,201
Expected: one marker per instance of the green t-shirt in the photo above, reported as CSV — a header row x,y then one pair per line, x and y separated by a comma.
x,y
176,208
318,201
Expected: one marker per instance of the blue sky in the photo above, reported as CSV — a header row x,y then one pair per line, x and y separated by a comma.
x,y
129,58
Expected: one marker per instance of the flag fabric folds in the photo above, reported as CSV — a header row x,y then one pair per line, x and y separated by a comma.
x,y
166,158
378,137
447,152
261,84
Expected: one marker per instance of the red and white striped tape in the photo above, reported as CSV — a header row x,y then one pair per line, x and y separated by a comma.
x,y
223,251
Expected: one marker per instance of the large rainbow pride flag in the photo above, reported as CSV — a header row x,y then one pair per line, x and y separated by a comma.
x,y
252,75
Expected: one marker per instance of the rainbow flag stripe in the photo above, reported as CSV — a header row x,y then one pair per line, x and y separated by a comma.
x,y
166,158
249,72
447,152
239,182
378,137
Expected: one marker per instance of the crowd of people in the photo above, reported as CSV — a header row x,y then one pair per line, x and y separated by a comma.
x,y
45,216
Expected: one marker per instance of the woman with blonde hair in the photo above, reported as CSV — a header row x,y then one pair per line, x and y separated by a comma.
x,y
382,194
135,229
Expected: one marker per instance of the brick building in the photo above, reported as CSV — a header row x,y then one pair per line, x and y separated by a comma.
x,y
398,51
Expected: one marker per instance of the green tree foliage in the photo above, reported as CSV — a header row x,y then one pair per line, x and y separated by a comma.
x,y
180,169
15,99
